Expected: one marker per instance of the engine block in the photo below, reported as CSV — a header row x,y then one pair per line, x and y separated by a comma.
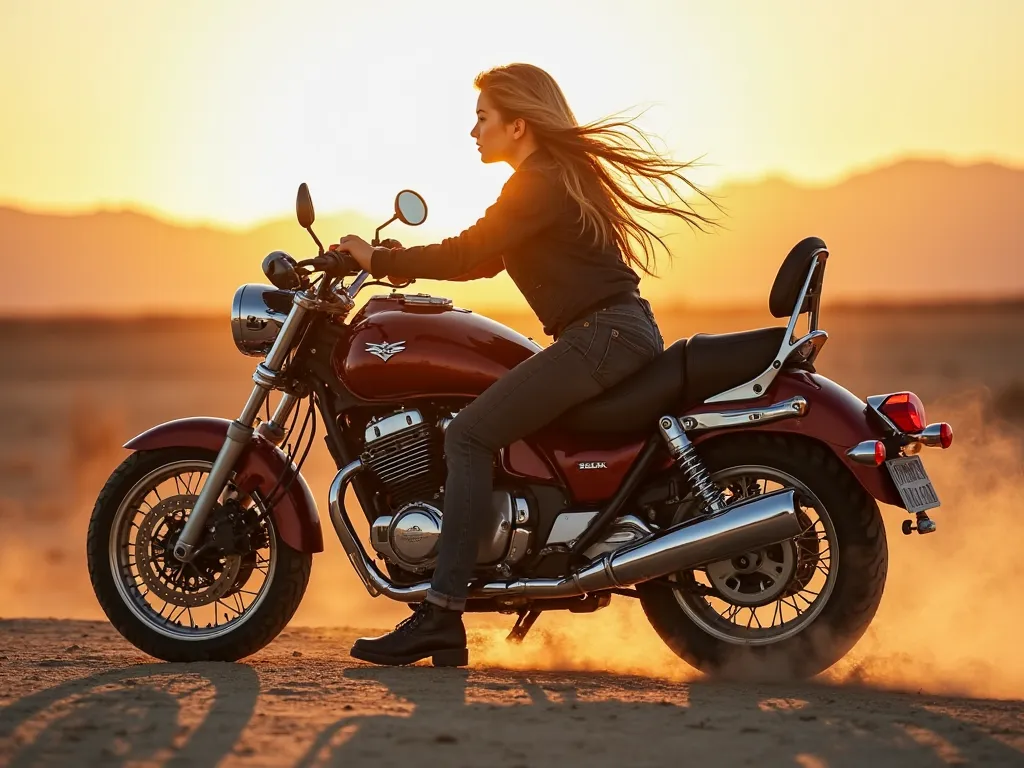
x,y
407,454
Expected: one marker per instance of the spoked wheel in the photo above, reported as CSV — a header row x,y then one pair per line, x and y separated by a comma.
x,y
792,609
769,594
233,598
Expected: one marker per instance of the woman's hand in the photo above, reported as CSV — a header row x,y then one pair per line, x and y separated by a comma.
x,y
357,248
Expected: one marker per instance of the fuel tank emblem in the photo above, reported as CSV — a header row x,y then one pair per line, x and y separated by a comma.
x,y
593,465
386,350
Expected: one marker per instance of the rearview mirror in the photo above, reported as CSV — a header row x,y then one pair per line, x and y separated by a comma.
x,y
304,207
410,208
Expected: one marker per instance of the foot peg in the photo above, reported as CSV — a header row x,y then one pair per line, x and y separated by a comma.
x,y
924,525
523,623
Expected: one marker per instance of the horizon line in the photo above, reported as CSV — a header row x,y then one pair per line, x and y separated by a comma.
x,y
158,214
970,303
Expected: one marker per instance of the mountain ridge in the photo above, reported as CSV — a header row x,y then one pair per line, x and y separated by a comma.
x,y
914,230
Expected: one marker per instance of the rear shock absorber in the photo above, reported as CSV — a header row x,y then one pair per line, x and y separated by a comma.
x,y
687,460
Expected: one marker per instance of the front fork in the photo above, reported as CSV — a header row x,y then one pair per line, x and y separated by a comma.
x,y
240,431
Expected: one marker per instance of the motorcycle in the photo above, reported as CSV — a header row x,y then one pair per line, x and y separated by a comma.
x,y
727,486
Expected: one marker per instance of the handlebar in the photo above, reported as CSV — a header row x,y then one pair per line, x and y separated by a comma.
x,y
340,264
284,272
334,264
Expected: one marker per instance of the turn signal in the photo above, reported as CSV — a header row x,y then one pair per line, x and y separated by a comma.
x,y
870,453
945,435
936,435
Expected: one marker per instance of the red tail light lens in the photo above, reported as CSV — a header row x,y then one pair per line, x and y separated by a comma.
x,y
945,435
906,411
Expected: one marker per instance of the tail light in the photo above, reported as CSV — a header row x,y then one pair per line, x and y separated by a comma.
x,y
870,453
945,435
906,411
937,435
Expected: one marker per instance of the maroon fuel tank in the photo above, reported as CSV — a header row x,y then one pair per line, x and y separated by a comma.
x,y
402,346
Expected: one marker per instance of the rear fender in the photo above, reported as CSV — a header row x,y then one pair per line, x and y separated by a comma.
x,y
261,463
835,418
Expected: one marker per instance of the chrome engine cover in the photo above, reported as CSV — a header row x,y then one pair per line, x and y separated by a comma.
x,y
409,538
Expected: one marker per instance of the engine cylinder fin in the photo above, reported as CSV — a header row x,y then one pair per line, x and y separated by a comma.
x,y
409,462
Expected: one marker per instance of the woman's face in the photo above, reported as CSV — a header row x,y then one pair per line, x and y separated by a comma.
x,y
494,137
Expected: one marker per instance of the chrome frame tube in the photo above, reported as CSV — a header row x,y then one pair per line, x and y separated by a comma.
x,y
240,431
792,408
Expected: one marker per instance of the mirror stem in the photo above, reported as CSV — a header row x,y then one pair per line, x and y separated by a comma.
x,y
316,240
376,235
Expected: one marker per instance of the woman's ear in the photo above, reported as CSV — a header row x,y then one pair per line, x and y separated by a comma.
x,y
518,128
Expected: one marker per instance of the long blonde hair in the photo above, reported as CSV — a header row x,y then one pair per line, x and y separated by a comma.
x,y
605,165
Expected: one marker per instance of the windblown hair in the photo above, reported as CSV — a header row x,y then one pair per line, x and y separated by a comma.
x,y
608,166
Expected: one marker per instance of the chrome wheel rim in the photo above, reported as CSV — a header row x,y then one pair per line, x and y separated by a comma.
x,y
796,577
200,601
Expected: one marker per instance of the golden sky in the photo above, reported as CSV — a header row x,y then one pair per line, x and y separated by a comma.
x,y
216,109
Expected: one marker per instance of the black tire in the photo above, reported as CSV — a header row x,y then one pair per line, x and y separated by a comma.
x,y
285,591
860,579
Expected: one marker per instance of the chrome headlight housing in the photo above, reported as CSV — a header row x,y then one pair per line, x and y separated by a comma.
x,y
257,313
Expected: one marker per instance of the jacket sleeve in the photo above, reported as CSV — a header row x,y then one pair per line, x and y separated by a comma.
x,y
489,268
527,205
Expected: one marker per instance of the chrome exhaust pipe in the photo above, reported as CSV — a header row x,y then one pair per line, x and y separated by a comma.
x,y
742,527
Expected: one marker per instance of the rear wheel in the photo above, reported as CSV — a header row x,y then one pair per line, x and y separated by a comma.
x,y
792,609
227,603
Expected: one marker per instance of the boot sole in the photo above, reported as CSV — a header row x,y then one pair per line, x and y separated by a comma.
x,y
448,657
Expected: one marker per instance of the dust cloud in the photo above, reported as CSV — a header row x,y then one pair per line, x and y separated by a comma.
x,y
951,614
949,621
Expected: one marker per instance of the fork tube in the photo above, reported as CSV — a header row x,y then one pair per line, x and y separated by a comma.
x,y
240,431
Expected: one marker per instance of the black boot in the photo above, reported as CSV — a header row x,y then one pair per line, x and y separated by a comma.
x,y
430,631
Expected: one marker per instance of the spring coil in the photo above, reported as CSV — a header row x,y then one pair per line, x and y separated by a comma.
x,y
689,462
697,476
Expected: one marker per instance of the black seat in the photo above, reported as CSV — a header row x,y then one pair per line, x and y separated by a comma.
x,y
717,362
685,374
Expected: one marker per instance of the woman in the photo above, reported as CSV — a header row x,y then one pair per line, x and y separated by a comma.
x,y
565,229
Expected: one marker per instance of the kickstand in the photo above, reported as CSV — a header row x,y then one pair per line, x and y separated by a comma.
x,y
523,624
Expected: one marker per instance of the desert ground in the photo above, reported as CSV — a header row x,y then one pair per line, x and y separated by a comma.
x,y
938,679
76,694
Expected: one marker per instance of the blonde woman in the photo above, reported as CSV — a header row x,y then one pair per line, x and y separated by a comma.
x,y
565,228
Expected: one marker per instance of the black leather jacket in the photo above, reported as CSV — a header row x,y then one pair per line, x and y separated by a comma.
x,y
534,232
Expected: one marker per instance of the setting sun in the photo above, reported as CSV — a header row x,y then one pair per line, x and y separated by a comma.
x,y
215,111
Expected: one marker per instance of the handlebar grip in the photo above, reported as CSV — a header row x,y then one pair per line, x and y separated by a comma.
x,y
348,264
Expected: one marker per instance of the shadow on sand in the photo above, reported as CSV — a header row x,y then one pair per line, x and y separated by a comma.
x,y
141,715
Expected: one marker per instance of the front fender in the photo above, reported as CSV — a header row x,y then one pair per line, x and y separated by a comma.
x,y
836,418
261,463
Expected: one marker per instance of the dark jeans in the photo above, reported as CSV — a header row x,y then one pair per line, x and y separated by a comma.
x,y
591,355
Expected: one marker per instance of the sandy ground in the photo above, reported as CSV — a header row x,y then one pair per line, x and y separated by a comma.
x,y
75,693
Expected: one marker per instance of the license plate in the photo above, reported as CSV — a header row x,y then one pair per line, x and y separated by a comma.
x,y
915,488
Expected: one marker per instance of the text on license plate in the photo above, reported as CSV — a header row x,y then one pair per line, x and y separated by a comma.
x,y
912,481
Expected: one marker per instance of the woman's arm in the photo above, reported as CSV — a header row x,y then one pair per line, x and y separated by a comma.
x,y
489,268
527,205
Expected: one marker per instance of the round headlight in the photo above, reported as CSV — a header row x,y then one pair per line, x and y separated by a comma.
x,y
257,314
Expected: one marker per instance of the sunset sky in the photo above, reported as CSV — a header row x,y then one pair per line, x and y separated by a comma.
x,y
215,110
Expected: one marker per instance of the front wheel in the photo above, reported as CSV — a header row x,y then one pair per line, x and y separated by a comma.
x,y
227,603
790,610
